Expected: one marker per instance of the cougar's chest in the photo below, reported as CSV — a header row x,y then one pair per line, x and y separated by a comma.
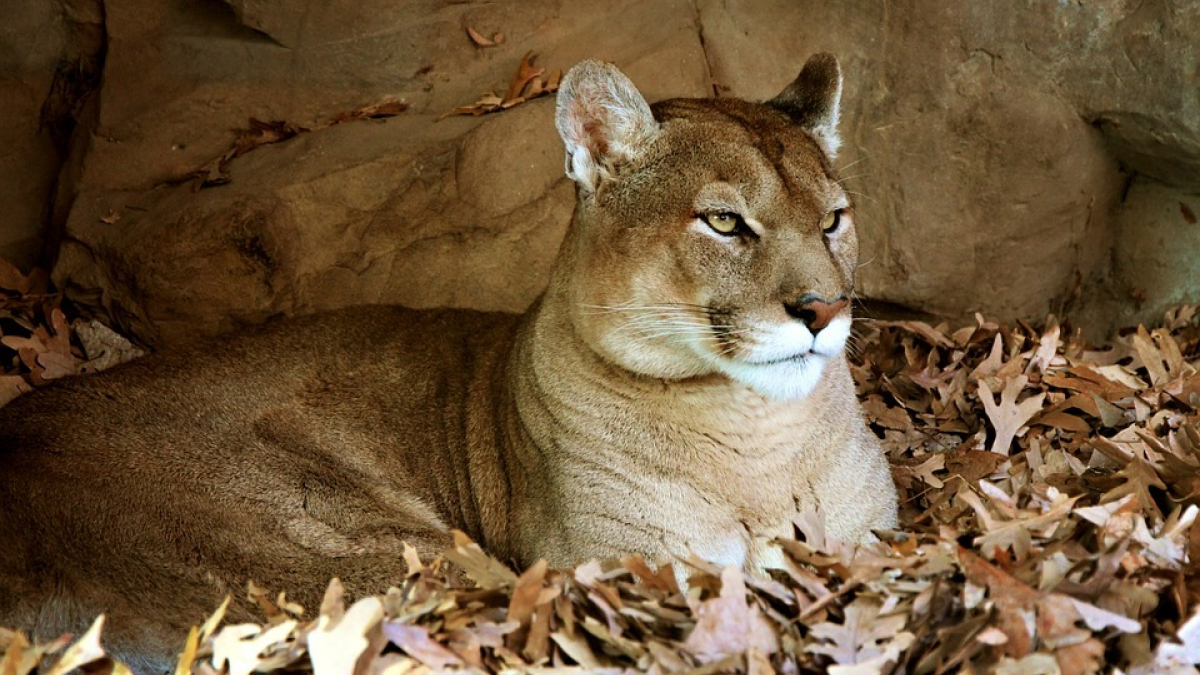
x,y
727,495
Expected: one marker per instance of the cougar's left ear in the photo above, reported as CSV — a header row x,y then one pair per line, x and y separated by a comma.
x,y
602,119
814,100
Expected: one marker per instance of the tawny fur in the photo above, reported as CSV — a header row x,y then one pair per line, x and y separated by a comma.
x,y
628,410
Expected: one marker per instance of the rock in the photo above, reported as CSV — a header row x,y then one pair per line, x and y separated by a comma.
x,y
988,145
987,139
32,40
462,212
1158,236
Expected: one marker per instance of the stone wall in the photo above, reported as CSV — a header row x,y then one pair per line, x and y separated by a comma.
x,y
1009,158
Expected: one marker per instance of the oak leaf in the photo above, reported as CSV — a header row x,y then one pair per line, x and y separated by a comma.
x,y
1008,416
342,635
729,625
864,642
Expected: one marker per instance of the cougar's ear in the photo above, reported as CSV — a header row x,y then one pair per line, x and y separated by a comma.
x,y
602,120
814,99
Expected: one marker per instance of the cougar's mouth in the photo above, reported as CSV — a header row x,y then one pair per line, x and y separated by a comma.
x,y
795,358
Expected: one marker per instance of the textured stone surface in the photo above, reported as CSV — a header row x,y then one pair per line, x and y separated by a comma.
x,y
991,145
32,39
988,138
463,211
1158,234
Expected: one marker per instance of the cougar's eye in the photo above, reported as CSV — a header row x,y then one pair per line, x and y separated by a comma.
x,y
725,222
831,222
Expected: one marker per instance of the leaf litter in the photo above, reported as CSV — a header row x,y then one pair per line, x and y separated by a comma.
x,y
1049,493
39,344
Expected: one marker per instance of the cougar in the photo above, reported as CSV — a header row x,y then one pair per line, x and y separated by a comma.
x,y
680,388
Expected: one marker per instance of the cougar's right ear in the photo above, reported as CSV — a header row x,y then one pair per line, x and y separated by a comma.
x,y
814,100
602,120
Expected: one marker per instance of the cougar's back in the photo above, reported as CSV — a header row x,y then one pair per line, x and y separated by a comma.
x,y
296,453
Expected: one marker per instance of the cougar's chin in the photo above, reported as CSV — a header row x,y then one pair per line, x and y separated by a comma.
x,y
785,379
787,361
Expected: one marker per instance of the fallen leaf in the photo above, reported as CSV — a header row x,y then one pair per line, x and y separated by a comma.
x,y
479,566
187,658
103,346
82,652
864,639
1008,416
1188,216
526,84
415,642
479,40
239,648
337,642
728,625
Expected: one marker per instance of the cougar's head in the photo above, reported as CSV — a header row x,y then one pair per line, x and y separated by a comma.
x,y
711,235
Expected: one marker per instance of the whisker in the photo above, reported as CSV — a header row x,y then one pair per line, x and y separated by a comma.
x,y
868,262
857,161
861,194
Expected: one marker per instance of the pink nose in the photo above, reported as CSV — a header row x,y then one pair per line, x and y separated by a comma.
x,y
815,312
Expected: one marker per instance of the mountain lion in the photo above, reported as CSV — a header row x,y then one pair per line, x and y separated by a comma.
x,y
680,387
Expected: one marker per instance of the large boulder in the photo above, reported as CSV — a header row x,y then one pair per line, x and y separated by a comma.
x,y
414,209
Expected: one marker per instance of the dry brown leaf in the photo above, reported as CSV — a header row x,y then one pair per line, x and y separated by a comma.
x,y
527,592
1151,357
337,642
187,658
238,649
384,109
480,40
1137,478
479,566
415,642
82,652
728,625
103,346
526,71
526,84
864,639
1008,416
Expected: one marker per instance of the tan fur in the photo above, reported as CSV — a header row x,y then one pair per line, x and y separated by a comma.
x,y
599,423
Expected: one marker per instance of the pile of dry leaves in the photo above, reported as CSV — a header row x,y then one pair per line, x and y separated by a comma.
x,y
1049,491
38,344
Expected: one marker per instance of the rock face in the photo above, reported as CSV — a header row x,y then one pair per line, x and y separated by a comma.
x,y
991,141
32,40
1159,239
415,210
1010,158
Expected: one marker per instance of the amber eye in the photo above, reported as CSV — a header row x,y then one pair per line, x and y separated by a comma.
x,y
831,222
725,222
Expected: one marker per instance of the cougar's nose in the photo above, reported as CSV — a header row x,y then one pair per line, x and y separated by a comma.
x,y
813,311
